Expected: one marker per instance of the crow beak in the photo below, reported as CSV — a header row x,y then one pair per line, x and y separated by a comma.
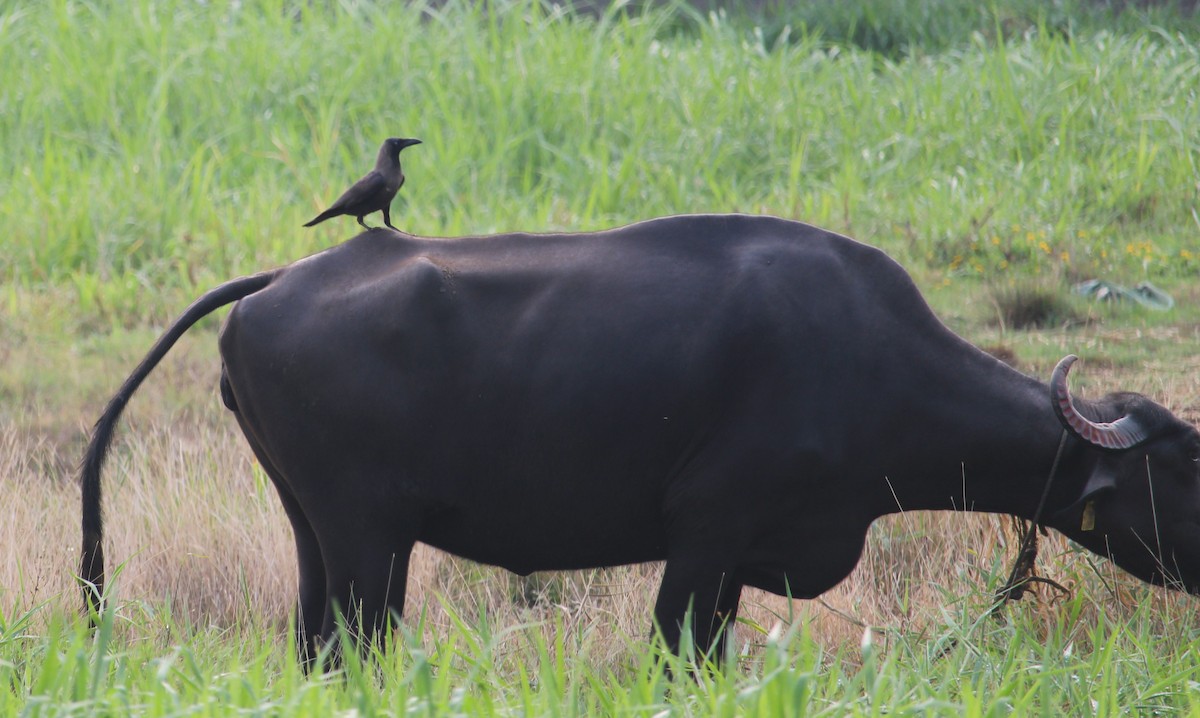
x,y
408,143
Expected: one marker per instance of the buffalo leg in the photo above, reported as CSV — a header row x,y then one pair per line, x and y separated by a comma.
x,y
310,608
366,587
727,612
710,593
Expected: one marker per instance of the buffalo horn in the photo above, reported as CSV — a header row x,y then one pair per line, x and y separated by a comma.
x,y
1124,433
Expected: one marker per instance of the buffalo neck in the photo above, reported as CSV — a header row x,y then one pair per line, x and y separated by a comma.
x,y
981,438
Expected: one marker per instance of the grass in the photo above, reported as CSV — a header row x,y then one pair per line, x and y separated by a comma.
x,y
228,125
153,149
1105,666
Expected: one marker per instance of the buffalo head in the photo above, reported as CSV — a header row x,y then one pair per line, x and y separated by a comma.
x,y
1139,500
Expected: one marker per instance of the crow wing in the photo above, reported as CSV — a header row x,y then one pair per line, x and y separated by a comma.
x,y
362,195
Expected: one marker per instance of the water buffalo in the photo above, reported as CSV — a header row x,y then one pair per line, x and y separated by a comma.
x,y
740,396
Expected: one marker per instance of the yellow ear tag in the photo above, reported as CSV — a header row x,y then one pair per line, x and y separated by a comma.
x,y
1089,516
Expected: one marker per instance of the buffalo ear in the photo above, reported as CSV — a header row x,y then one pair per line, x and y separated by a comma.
x,y
1103,478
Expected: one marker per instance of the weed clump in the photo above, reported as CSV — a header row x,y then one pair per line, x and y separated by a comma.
x,y
1033,306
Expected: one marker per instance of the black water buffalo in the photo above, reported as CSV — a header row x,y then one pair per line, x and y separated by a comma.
x,y
739,396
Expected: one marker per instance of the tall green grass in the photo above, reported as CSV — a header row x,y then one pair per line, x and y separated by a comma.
x,y
907,28
980,668
168,145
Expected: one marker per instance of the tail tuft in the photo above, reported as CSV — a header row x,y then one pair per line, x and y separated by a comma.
x,y
91,576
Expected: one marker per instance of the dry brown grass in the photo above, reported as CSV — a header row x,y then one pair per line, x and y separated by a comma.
x,y
194,524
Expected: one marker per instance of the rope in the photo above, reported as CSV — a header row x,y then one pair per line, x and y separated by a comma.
x,y
1022,571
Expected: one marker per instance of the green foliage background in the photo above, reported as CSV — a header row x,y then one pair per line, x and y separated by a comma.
x,y
169,145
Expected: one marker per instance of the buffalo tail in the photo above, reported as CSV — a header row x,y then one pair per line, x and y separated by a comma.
x,y
91,569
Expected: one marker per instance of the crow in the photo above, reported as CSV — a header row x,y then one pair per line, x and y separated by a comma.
x,y
375,191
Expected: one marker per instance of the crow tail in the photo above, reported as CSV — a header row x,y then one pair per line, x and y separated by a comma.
x,y
322,217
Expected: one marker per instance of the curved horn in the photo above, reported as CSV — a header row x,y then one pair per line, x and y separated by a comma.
x,y
1124,433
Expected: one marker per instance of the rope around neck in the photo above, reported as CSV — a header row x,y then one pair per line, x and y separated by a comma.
x,y
1022,571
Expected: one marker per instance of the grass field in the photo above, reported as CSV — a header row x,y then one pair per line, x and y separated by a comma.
x,y
153,149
